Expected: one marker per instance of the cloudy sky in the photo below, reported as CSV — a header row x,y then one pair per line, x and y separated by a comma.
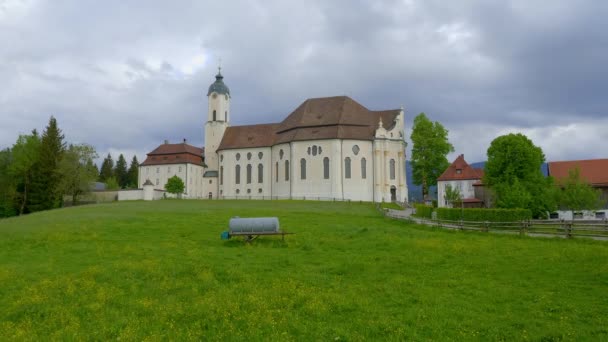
x,y
125,75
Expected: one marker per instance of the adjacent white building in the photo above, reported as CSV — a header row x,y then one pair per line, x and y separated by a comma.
x,y
327,148
461,176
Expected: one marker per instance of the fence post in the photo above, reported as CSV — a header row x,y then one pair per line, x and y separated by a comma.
x,y
486,226
461,225
569,230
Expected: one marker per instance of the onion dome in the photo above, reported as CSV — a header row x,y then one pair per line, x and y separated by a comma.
x,y
218,86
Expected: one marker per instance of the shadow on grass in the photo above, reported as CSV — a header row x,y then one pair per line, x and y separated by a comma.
x,y
258,242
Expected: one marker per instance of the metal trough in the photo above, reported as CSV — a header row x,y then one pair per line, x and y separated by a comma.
x,y
252,227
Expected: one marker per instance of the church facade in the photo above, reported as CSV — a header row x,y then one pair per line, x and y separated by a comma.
x,y
329,148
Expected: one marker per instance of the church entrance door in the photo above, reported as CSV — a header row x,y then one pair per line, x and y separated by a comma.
x,y
210,195
393,194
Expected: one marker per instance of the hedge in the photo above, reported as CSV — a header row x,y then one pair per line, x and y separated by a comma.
x,y
477,214
423,211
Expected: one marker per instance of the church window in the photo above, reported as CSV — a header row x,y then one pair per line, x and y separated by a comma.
x,y
226,116
320,150
210,181
249,156
248,191
221,157
392,169
259,190
286,170
281,154
276,172
168,168
158,170
248,173
356,149
260,155
237,174
363,168
226,97
238,191
347,167
314,150
179,169
260,173
222,175
214,115
214,96
302,168
238,156
309,150
326,168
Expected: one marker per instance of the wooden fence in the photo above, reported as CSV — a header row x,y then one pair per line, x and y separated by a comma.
x,y
597,229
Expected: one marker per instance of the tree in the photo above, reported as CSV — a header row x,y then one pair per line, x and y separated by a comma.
x,y
112,183
452,195
132,173
120,172
577,194
175,186
430,147
107,169
25,158
513,171
7,185
77,171
45,189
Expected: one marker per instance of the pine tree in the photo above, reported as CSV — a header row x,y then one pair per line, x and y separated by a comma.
x,y
107,169
120,172
133,172
45,189
24,160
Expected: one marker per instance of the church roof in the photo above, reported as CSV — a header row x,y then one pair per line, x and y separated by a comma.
x,y
460,170
338,117
175,154
248,136
218,86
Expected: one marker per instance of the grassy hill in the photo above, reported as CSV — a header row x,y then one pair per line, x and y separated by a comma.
x,y
158,270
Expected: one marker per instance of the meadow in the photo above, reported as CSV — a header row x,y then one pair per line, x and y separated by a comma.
x,y
159,271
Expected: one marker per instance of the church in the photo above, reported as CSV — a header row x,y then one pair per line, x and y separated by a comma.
x,y
330,148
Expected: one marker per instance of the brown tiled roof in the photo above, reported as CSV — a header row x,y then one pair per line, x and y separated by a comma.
x,y
248,136
174,154
594,171
338,117
466,171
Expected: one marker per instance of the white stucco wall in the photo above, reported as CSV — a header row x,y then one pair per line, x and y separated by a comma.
x,y
130,195
464,186
253,189
191,175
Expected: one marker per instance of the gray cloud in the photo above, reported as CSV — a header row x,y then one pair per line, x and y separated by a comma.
x,y
124,76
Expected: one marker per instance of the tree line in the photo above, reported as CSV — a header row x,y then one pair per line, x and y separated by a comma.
x,y
40,169
512,172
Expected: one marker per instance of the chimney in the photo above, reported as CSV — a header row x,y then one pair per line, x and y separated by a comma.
x,y
166,142
185,140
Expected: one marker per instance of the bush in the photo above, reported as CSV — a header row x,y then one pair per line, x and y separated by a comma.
x,y
477,214
423,211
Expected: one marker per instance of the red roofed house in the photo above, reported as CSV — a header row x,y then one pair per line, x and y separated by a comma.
x,y
462,176
593,171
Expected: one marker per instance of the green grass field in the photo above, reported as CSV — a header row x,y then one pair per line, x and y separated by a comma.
x,y
158,270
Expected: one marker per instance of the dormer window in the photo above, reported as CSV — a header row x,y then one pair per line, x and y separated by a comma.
x,y
458,171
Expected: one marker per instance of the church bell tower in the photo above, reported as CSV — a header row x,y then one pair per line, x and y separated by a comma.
x,y
218,118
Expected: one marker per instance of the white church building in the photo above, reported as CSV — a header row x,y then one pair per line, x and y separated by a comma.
x,y
330,148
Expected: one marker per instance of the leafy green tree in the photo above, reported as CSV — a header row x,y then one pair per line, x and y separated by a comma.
x,y
45,190
175,186
577,194
132,173
8,189
120,172
112,183
107,169
452,195
513,171
77,171
25,158
430,147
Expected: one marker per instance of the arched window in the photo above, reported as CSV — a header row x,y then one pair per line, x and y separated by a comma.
x,y
260,173
347,167
363,168
326,168
237,174
221,175
392,169
214,115
286,170
302,168
248,173
226,116
276,172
